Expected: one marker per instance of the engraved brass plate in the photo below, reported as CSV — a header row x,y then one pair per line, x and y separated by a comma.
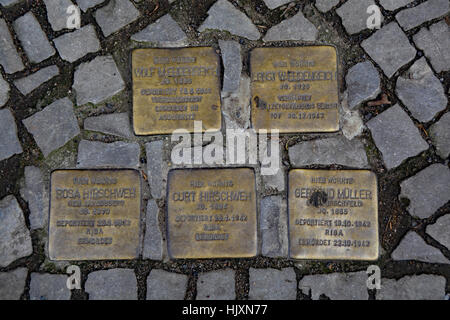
x,y
333,214
211,213
94,214
172,88
295,89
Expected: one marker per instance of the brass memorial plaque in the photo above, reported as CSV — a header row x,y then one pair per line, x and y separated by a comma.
x,y
172,88
211,213
295,89
94,214
333,214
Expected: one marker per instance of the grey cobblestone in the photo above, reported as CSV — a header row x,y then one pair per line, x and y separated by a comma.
x,y
422,287
32,38
329,151
273,227
427,191
49,287
440,135
431,9
350,120
390,48
216,285
164,32
112,284
153,242
163,285
54,126
75,45
117,154
272,284
57,13
439,230
363,83
336,286
8,3
9,143
289,29
396,136
413,247
33,81
435,42
15,237
97,80
393,5
12,284
274,180
157,168
326,5
421,91
273,4
236,22
9,58
36,194
116,15
87,4
117,124
236,106
354,15
4,91
232,61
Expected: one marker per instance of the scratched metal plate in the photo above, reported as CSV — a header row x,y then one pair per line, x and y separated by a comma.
x,y
94,214
333,214
172,88
295,89
211,213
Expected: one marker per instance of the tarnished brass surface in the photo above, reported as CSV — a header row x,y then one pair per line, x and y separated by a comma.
x,y
333,214
295,89
174,87
94,214
211,213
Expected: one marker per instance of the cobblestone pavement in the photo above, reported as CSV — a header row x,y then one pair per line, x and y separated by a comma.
x,y
65,102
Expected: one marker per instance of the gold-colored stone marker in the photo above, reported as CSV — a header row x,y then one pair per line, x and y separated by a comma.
x,y
211,213
172,88
94,214
333,214
295,89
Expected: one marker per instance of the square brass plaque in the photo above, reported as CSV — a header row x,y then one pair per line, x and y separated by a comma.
x,y
211,213
333,214
295,89
172,88
94,214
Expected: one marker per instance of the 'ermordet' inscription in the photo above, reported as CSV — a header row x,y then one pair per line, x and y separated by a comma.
x,y
172,88
212,213
295,89
94,214
333,214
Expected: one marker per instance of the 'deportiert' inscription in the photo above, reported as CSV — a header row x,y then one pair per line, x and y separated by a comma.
x,y
211,213
94,214
295,89
333,214
172,88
